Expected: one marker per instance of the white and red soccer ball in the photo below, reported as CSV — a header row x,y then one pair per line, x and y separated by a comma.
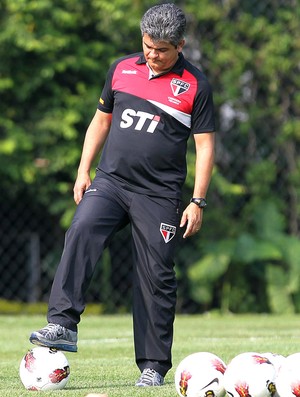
x,y
200,375
251,374
44,369
288,378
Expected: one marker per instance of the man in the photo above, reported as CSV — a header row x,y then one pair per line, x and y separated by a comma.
x,y
150,104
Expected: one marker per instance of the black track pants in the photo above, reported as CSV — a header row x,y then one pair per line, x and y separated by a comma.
x,y
104,209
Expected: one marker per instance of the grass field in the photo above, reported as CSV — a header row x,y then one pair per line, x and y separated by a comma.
x,y
105,359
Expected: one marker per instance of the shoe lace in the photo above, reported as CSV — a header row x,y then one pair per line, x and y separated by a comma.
x,y
149,376
51,329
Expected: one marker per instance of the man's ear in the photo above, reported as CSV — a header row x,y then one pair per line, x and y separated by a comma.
x,y
180,45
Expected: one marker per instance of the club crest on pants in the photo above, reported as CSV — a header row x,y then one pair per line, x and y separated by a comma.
x,y
167,231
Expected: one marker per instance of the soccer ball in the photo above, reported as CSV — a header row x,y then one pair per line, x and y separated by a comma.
x,y
277,360
250,375
288,378
44,369
200,375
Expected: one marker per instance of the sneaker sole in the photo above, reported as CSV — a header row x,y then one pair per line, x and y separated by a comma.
x,y
61,345
144,385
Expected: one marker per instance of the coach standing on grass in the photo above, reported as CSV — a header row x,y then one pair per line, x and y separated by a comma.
x,y
150,104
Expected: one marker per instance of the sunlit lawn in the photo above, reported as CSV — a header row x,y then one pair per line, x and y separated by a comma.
x,y
105,359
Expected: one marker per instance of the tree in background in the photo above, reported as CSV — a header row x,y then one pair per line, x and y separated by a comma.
x,y
250,242
54,56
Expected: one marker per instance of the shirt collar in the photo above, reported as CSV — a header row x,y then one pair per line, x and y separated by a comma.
x,y
178,68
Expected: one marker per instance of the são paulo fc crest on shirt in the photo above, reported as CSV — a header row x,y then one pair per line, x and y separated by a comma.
x,y
179,86
167,231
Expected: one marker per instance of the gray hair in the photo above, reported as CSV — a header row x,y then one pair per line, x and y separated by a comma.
x,y
164,22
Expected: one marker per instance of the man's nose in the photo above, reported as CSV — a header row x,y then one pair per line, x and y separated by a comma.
x,y
153,53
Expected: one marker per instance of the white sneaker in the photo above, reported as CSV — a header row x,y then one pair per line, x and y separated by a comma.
x,y
150,377
56,337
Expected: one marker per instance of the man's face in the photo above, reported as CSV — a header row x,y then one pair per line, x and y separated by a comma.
x,y
160,55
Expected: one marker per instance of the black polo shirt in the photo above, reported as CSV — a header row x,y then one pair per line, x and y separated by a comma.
x,y
152,119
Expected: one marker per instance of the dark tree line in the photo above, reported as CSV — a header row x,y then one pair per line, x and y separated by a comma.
x,y
54,58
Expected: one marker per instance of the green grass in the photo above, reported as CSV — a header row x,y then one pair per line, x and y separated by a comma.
x,y
105,360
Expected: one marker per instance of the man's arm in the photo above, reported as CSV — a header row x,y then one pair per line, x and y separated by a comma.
x,y
94,140
205,149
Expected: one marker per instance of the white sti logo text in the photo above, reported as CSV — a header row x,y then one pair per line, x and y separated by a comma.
x,y
139,120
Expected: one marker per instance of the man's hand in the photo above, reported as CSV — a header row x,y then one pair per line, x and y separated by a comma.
x,y
82,183
192,218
